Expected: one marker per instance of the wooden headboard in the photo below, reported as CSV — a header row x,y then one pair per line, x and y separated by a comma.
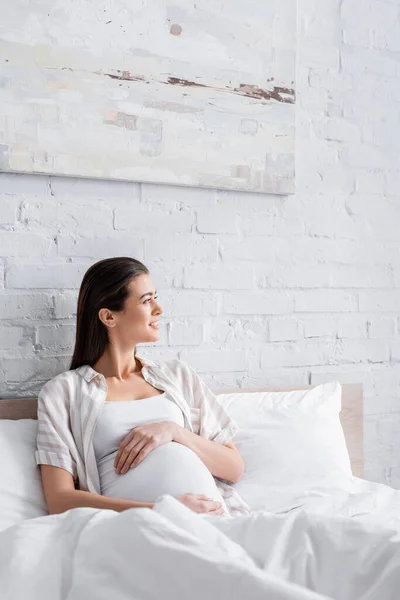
x,y
351,415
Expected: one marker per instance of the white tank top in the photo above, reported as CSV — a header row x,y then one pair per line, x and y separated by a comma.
x,y
169,469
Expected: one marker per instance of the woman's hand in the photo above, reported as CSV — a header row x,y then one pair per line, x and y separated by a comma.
x,y
140,442
202,504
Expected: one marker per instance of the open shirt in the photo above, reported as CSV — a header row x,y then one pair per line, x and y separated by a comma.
x,y
70,404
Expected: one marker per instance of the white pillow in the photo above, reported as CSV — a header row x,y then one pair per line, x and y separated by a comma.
x,y
290,441
21,492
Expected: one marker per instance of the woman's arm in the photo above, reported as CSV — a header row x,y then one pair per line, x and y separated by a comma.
x,y
61,495
223,461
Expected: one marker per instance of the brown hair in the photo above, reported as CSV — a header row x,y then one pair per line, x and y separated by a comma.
x,y
104,285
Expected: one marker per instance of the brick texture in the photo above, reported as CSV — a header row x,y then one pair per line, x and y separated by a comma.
x,y
257,290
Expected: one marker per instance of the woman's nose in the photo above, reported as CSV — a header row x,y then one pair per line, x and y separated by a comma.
x,y
158,310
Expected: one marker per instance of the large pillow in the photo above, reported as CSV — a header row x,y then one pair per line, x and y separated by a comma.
x,y
291,442
21,493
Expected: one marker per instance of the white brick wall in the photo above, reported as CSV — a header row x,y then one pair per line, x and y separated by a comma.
x,y
257,290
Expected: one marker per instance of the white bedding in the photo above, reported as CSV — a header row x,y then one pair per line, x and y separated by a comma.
x,y
315,532
333,543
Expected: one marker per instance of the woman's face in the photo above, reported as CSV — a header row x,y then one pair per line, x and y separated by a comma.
x,y
138,321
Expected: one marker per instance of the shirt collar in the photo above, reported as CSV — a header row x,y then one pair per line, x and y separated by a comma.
x,y
88,373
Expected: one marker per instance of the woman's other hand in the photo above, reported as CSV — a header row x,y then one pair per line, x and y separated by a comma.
x,y
140,442
201,504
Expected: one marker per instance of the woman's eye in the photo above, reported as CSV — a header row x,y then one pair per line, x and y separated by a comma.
x,y
148,299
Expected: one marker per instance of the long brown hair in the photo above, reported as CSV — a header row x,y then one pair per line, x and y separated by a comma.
x,y
104,285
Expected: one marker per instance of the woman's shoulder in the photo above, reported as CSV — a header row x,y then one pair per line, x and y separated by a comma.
x,y
174,367
61,383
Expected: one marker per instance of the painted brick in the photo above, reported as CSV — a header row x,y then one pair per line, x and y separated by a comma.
x,y
221,381
325,301
236,332
393,182
276,378
295,354
170,195
56,337
360,351
10,337
185,334
323,276
68,215
65,304
266,223
343,374
357,37
34,369
381,327
145,222
182,303
370,182
154,352
381,403
217,360
377,301
339,326
23,244
218,277
100,247
387,378
320,326
2,275
352,326
383,216
11,183
165,276
8,208
180,247
395,351
315,352
29,306
219,220
54,276
342,130
282,330
257,303
233,249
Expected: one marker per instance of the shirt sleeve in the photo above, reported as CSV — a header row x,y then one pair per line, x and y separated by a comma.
x,y
215,422
54,435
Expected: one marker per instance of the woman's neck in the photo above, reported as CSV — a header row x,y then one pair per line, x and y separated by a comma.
x,y
116,364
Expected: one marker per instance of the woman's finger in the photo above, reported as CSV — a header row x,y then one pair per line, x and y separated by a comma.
x,y
129,454
127,439
212,505
218,512
143,453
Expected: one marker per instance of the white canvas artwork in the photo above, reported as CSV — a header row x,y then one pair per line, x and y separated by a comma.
x,y
185,93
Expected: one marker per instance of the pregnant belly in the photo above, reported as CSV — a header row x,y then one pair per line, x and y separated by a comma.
x,y
169,469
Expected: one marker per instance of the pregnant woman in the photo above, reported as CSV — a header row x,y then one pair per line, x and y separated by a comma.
x,y
117,430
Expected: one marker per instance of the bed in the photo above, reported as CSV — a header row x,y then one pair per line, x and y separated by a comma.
x,y
351,415
337,538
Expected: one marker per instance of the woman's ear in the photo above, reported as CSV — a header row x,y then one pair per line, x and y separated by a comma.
x,y
106,317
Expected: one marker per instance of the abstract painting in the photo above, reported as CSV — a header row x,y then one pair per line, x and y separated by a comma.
x,y
196,93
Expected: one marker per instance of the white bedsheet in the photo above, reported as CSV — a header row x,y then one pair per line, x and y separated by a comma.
x,y
341,544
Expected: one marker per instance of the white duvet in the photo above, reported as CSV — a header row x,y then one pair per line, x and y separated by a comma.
x,y
333,543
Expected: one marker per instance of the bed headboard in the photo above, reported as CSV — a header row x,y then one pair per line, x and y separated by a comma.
x,y
351,415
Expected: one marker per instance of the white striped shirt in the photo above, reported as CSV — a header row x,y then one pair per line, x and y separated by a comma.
x,y
70,404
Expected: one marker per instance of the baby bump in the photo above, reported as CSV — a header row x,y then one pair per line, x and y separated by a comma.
x,y
169,469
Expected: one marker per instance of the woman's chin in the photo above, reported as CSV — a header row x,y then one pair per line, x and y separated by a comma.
x,y
155,335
